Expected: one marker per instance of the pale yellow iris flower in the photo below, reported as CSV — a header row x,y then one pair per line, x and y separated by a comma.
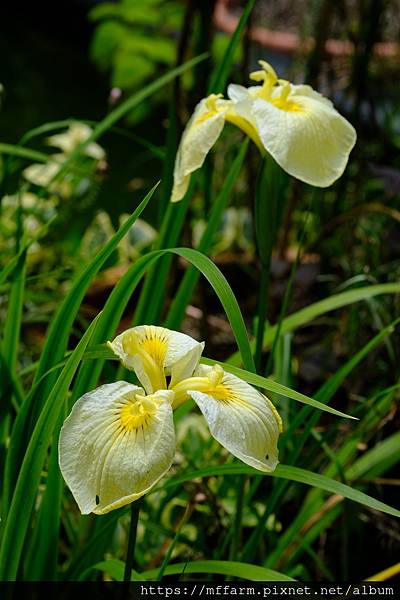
x,y
119,439
296,125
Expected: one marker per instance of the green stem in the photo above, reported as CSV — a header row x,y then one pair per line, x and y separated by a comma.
x,y
262,312
265,225
135,508
288,291
237,525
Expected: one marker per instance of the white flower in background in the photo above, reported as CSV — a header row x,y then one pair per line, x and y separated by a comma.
x,y
45,174
140,236
42,174
235,231
297,126
119,439
35,212
70,140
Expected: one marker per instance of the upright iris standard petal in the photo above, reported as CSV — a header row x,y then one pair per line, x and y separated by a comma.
x,y
115,445
240,418
156,352
201,133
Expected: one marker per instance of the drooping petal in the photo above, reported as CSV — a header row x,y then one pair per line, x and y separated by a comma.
x,y
115,445
240,418
201,133
299,127
310,140
154,352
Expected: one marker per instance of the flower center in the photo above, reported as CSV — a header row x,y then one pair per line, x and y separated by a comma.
x,y
138,411
274,90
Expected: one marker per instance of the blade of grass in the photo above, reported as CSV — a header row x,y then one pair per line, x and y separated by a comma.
x,y
311,312
53,352
119,298
293,474
220,76
41,558
191,276
217,567
149,306
308,420
27,153
313,501
277,388
23,500
9,354
167,557
92,549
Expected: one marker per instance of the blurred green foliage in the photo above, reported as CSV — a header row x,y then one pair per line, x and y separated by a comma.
x,y
133,40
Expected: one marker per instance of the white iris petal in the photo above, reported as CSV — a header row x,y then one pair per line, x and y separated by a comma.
x,y
153,352
199,136
311,143
115,445
298,127
240,419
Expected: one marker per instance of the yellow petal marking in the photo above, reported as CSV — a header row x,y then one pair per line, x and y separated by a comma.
x,y
213,386
152,350
246,127
211,104
137,413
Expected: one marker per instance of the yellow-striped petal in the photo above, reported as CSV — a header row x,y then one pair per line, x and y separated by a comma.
x,y
156,352
115,445
310,140
199,136
299,127
240,418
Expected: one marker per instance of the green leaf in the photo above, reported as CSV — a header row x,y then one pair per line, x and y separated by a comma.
x,y
220,76
227,298
293,474
27,484
250,572
9,354
276,388
370,462
23,152
54,350
311,312
122,292
189,280
93,548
